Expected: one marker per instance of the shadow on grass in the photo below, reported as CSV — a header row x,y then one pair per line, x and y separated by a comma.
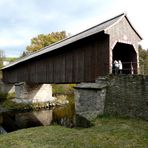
x,y
82,122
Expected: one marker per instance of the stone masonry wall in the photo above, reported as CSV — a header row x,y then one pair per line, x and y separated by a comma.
x,y
89,100
127,96
124,96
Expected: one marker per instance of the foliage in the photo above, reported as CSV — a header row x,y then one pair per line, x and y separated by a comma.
x,y
63,88
2,57
143,59
63,115
106,132
6,96
43,40
10,59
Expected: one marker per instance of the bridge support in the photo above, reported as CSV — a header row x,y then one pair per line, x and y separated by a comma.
x,y
32,93
89,101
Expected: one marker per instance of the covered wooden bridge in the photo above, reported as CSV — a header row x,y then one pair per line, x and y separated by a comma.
x,y
79,58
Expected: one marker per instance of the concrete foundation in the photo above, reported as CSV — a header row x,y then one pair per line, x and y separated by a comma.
x,y
31,93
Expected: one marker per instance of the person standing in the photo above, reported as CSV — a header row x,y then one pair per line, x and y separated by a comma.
x,y
116,67
120,66
132,69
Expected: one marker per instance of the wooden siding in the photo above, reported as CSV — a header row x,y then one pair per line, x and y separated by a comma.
x,y
80,58
82,61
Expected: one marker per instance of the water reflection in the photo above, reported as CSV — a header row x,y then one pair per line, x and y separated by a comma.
x,y
62,115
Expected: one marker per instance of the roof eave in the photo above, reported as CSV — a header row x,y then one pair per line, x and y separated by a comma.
x,y
106,30
140,37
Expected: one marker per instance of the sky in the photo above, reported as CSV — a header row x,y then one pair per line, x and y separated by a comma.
x,y
21,20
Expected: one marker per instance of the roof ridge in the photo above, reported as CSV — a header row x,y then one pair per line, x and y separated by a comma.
x,y
69,40
78,33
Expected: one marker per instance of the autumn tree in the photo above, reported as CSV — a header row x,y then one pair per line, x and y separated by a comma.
x,y
43,40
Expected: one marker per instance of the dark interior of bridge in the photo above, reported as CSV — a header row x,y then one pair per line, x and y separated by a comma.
x,y
128,56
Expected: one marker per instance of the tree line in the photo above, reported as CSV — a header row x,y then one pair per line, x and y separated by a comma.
x,y
42,40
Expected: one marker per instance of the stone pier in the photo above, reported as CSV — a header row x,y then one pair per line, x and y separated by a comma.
x,y
90,99
33,93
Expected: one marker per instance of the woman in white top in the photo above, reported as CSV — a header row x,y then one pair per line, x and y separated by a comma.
x,y
120,66
116,67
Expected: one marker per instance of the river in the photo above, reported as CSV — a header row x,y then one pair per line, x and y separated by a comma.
x,y
62,115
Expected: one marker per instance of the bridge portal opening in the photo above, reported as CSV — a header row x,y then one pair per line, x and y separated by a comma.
x,y
128,56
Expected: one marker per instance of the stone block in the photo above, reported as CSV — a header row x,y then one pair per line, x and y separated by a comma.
x,y
89,100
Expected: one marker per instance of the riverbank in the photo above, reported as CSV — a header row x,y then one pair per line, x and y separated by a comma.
x,y
108,132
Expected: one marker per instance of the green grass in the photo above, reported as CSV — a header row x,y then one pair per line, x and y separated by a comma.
x,y
106,133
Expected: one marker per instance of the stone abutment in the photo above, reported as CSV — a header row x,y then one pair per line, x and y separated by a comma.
x,y
123,95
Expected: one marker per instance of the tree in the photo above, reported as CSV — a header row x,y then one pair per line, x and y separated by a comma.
x,y
43,40
143,60
2,56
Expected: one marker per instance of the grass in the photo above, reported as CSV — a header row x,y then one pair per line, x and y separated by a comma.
x,y
107,132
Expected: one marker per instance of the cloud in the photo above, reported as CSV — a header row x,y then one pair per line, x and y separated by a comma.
x,y
10,42
21,20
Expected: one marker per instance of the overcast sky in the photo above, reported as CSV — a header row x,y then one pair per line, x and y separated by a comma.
x,y
21,20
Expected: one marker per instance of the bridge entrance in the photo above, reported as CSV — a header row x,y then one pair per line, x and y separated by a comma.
x,y
128,56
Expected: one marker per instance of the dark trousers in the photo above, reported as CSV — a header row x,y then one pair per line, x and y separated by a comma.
x,y
116,70
120,71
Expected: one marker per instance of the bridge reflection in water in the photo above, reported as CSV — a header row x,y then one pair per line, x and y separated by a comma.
x,y
61,115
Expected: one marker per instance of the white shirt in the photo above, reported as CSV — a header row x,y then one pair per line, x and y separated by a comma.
x,y
116,64
120,65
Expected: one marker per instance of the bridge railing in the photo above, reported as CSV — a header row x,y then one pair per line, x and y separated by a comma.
x,y
131,68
